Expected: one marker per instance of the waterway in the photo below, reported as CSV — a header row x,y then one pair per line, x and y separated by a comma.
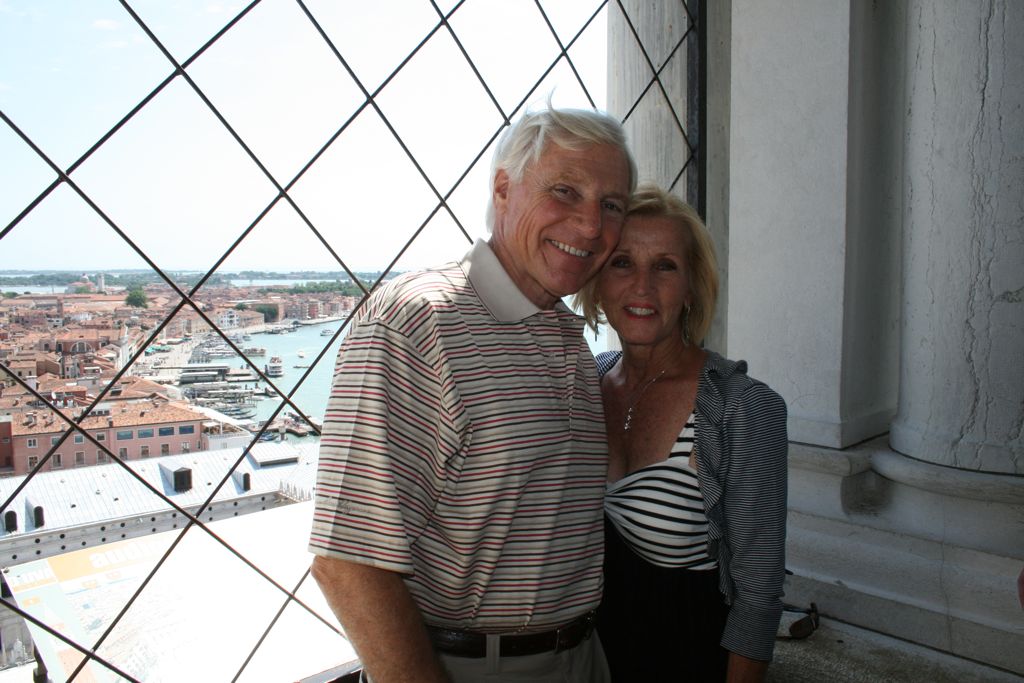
x,y
62,289
279,282
34,289
300,348
47,289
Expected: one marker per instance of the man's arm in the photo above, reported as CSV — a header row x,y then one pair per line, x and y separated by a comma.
x,y
380,619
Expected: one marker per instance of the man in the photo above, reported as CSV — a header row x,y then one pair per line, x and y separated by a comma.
x,y
458,523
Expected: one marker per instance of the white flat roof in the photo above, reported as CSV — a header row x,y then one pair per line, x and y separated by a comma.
x,y
86,495
201,614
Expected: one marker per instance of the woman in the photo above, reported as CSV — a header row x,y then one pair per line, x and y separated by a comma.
x,y
695,510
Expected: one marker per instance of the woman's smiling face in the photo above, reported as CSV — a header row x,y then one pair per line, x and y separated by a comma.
x,y
645,285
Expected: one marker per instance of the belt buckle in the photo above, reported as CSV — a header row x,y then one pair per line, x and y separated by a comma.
x,y
559,642
563,634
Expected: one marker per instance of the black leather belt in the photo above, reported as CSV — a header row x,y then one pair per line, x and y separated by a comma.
x,y
474,643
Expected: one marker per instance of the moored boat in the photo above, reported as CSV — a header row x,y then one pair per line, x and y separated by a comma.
x,y
275,368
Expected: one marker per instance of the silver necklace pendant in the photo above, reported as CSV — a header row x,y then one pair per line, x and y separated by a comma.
x,y
629,411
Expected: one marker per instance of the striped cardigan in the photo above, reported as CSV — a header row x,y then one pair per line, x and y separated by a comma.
x,y
742,448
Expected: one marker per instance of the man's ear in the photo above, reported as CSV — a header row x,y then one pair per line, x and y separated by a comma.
x,y
500,189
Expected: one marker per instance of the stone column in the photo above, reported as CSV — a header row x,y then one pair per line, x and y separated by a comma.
x,y
650,117
961,397
854,151
813,216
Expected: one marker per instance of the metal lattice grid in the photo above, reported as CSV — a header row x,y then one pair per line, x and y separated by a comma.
x,y
288,194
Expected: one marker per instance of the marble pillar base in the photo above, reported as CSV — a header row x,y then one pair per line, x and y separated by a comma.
x,y
922,552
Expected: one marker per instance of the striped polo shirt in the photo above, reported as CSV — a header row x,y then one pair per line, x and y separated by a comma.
x,y
464,447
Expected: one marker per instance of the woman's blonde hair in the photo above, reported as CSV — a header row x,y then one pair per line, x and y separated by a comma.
x,y
651,201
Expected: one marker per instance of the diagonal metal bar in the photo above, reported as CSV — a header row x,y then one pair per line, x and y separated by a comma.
x,y
85,412
696,94
67,179
437,208
462,48
187,300
476,71
159,88
372,96
330,141
110,222
656,79
654,70
682,172
180,70
31,205
564,48
384,119
88,654
128,117
443,203
185,297
270,626
193,519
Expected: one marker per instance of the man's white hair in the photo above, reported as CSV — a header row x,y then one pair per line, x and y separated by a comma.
x,y
524,141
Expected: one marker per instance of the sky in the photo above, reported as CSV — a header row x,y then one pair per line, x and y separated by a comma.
x,y
180,187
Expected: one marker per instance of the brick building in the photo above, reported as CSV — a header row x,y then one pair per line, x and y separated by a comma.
x,y
130,430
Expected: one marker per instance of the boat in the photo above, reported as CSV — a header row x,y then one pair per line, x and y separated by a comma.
x,y
238,411
275,368
302,354
254,351
326,332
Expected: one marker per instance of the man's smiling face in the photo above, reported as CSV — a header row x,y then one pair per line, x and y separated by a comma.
x,y
554,228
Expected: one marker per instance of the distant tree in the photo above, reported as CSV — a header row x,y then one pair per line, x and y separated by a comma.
x,y
345,288
137,298
10,295
269,312
42,279
241,306
82,290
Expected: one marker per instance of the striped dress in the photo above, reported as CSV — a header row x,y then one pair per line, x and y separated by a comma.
x,y
464,447
659,509
741,441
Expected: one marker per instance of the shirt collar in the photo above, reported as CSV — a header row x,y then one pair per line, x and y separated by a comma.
x,y
498,293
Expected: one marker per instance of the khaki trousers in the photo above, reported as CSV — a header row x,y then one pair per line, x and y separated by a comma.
x,y
585,663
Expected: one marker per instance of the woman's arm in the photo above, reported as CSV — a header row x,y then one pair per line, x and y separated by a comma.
x,y
745,670
754,511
